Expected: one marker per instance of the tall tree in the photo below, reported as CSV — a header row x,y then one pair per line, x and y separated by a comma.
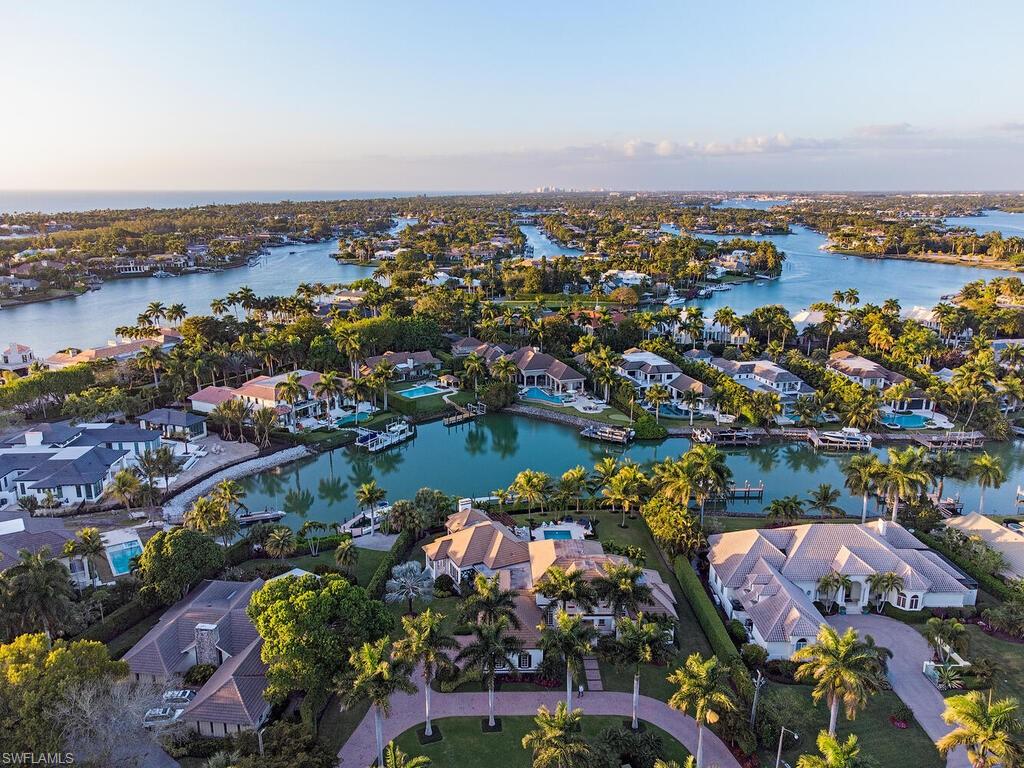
x,y
701,689
428,644
377,676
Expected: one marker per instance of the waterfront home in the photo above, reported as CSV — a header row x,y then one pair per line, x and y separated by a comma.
x,y
645,369
712,333
628,278
209,626
765,376
768,579
64,434
16,358
11,285
265,392
698,355
592,320
1009,543
870,374
164,338
806,320
477,544
174,424
208,398
537,369
998,345
31,268
58,475
928,318
468,345
737,260
408,365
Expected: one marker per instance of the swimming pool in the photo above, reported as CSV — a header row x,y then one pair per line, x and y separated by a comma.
x,y
421,390
352,418
121,556
905,420
536,393
557,534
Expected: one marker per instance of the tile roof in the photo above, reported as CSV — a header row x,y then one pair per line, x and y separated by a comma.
x,y
531,360
488,543
999,537
172,417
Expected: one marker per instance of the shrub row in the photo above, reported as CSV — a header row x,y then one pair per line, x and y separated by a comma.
x,y
991,584
121,620
397,554
707,615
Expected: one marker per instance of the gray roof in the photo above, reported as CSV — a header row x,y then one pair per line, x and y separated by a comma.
x,y
172,417
39,532
64,433
86,469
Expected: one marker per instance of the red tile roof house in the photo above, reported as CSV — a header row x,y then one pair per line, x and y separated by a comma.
x,y
537,369
477,544
768,578
264,392
165,339
408,365
209,626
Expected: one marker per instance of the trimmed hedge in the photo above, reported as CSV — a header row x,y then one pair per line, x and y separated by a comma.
x,y
397,554
121,620
991,584
707,615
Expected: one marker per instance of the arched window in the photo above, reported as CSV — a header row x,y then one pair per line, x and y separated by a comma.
x,y
914,602
901,600
802,642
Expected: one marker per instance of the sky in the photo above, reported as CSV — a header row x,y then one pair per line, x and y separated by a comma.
x,y
391,95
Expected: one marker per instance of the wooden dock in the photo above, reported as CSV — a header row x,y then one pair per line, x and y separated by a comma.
x,y
946,441
745,492
463,413
396,432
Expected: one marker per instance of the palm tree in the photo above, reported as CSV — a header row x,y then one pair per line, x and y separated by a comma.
x,y
280,543
565,586
834,753
263,420
709,473
657,395
832,584
368,495
346,555
987,728
823,501
988,470
844,671
384,374
230,494
558,741
786,510
151,358
329,388
946,636
905,475
41,591
569,639
376,677
504,370
125,487
396,758
861,474
488,603
428,644
622,586
474,367
409,581
884,584
292,390
491,649
701,688
640,642
88,544
573,482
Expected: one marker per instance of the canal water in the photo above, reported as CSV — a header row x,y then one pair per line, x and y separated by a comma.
x,y
475,459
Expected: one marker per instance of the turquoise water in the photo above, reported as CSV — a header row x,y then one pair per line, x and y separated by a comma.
x,y
475,459
557,535
536,393
906,420
121,556
421,390
544,245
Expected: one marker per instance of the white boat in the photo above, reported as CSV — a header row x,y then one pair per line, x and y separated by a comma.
x,y
675,300
266,516
161,273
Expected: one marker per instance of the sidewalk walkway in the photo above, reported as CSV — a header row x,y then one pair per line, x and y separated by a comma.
x,y
593,672
407,711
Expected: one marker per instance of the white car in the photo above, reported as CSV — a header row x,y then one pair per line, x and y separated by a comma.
x,y
158,716
183,696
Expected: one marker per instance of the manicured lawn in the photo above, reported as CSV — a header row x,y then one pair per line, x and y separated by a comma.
x,y
729,524
366,565
879,740
689,636
419,406
611,416
1007,659
464,744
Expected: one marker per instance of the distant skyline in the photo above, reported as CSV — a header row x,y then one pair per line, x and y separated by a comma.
x,y
459,96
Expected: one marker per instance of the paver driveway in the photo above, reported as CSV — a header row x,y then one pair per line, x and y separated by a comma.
x,y
910,652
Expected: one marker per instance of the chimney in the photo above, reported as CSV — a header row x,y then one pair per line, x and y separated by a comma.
x,y
207,637
883,526
33,437
465,505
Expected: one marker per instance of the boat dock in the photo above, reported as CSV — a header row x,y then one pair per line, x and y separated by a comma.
x,y
728,437
619,435
378,440
463,413
265,516
946,441
846,439
948,507
745,492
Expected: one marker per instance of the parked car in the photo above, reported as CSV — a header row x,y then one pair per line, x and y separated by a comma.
x,y
159,716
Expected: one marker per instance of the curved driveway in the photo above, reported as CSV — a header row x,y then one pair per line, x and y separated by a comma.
x,y
407,712
910,652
